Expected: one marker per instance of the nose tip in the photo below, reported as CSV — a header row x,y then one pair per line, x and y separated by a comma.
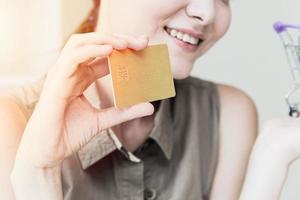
x,y
203,11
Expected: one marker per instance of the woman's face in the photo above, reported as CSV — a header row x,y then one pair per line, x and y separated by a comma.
x,y
188,27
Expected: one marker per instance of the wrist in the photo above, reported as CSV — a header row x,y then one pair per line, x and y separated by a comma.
x,y
31,182
266,174
267,150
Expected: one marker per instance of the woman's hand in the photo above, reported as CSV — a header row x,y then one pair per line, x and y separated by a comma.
x,y
63,120
280,138
277,146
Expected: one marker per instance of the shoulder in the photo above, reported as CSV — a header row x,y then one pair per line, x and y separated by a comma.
x,y
12,123
238,115
238,130
233,101
16,106
237,111
24,96
235,105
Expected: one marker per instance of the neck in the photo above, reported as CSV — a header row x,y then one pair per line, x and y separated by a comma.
x,y
132,133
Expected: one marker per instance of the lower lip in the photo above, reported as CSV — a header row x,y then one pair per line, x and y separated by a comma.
x,y
183,45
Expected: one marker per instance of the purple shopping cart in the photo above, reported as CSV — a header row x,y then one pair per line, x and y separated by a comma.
x,y
290,37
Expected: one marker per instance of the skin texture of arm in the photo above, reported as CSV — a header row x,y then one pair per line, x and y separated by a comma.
x,y
238,131
265,176
12,125
277,146
47,181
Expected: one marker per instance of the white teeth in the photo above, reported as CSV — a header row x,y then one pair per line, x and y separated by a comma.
x,y
173,33
184,37
179,35
194,40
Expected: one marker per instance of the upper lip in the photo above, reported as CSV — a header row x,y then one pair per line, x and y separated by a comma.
x,y
191,32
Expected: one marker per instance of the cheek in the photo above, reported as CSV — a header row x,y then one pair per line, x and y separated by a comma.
x,y
160,9
183,65
223,20
139,17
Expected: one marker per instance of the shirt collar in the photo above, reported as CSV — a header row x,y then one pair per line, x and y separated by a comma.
x,y
102,145
99,147
162,131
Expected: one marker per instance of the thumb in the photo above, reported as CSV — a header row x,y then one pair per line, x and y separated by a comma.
x,y
112,116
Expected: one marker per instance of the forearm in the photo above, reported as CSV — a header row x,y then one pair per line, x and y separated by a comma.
x,y
35,183
265,177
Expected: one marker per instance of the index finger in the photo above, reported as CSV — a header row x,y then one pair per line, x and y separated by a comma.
x,y
135,43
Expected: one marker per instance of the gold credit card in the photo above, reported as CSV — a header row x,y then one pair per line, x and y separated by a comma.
x,y
141,76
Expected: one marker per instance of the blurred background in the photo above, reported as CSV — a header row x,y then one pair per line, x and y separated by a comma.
x,y
250,56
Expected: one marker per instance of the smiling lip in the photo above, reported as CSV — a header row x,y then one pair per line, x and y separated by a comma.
x,y
184,45
190,32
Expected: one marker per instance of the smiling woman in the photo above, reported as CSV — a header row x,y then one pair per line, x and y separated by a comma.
x,y
62,138
74,140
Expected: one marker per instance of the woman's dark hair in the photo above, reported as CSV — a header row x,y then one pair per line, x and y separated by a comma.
x,y
90,23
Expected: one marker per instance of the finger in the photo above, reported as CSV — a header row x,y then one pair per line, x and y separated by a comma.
x,y
100,67
78,40
135,43
84,54
284,121
110,117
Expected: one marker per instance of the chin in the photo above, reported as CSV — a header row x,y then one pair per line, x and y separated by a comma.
x,y
181,72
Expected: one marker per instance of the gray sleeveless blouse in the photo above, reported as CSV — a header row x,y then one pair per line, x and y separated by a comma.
x,y
178,160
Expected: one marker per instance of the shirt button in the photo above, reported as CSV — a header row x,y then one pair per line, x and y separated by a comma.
x,y
149,194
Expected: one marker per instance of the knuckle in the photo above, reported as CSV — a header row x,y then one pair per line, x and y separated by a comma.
x,y
72,58
123,41
74,37
121,37
111,38
95,35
